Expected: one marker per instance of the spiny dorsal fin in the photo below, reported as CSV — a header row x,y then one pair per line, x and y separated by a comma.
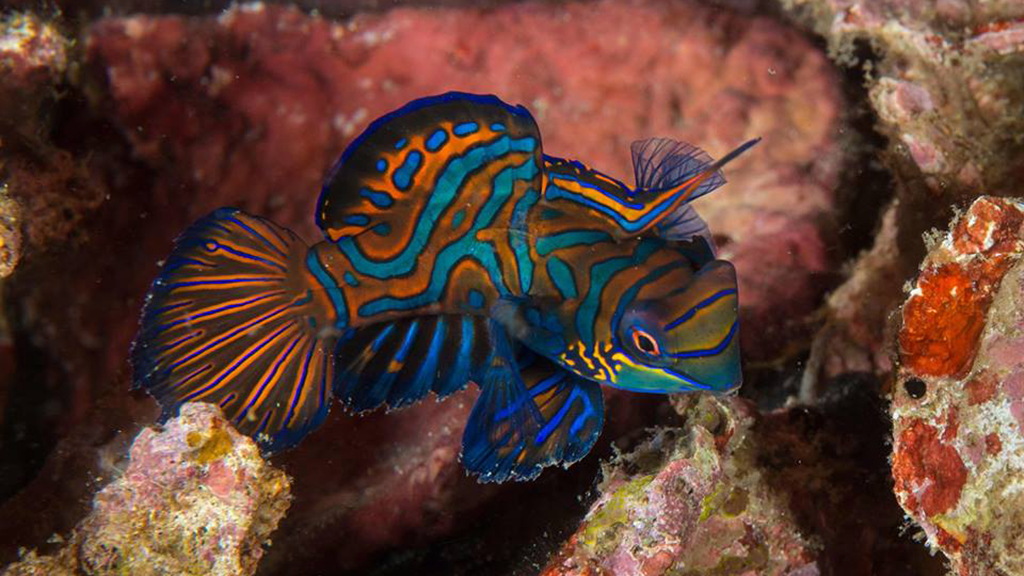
x,y
669,175
412,164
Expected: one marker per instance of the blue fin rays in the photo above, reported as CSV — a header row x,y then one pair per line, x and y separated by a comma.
x,y
669,175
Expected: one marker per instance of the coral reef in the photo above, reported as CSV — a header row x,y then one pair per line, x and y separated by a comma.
x,y
118,128
250,107
958,410
195,499
943,83
732,491
690,501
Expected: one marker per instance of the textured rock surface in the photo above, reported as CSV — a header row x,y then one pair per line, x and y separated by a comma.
x,y
43,193
689,501
945,87
195,499
958,411
732,492
943,82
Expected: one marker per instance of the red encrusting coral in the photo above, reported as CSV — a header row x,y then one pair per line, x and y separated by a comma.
x,y
941,325
944,317
981,388
991,227
929,473
956,459
993,444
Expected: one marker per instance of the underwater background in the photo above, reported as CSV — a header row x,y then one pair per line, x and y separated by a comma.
x,y
876,231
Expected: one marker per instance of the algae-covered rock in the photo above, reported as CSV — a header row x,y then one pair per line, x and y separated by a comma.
x,y
33,59
196,499
691,501
958,408
795,491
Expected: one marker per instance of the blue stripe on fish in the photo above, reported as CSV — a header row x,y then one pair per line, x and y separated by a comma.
x,y
702,304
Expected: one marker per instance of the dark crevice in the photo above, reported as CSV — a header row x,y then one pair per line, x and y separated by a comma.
x,y
30,424
866,186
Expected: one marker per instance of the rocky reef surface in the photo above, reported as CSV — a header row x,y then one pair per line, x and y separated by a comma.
x,y
958,413
194,499
122,122
728,490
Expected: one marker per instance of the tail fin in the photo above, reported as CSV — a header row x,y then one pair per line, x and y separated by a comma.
x,y
233,318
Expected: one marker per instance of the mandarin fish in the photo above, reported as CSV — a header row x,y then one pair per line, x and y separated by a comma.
x,y
455,251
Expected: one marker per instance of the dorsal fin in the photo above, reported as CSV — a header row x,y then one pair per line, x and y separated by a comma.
x,y
669,175
413,162
660,163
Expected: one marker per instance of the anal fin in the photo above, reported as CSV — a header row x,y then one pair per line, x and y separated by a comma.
x,y
397,363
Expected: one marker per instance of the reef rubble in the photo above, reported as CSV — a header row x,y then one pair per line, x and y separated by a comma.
x,y
195,499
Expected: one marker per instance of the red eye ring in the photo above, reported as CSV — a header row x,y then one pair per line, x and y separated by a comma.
x,y
645,342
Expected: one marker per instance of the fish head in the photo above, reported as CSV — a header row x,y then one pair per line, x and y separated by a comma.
x,y
679,333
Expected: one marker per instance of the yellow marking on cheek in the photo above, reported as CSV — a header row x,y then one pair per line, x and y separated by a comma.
x,y
604,363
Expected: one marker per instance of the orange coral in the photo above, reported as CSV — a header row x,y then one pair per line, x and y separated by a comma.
x,y
941,325
991,226
928,473
943,319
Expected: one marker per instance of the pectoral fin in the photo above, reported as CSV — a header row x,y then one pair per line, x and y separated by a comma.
x,y
525,421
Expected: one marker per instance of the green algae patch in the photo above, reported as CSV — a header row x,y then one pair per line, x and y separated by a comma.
x,y
736,504
712,502
724,501
599,535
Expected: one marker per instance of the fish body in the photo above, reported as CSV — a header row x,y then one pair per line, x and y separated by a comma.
x,y
454,251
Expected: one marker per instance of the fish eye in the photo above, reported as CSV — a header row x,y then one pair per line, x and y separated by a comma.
x,y
645,342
